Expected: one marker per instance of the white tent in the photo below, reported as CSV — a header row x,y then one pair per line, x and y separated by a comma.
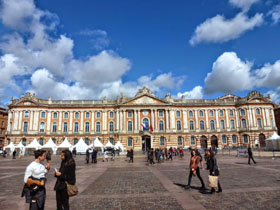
x,y
109,145
20,148
10,148
97,144
119,146
273,142
34,145
65,145
50,145
81,146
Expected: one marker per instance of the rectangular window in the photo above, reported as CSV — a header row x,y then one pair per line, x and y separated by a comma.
x,y
162,141
129,126
26,114
129,114
160,113
87,127
65,127
98,115
191,126
76,127
224,139
98,127
180,141
42,127
43,114
192,140
25,126
54,127
232,126
111,115
129,142
161,125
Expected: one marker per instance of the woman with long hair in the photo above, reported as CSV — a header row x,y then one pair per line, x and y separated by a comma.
x,y
214,170
194,169
65,174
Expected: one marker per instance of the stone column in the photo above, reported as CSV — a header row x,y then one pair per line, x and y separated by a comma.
x,y
92,120
254,117
185,119
60,120
118,120
31,119
267,117
9,120
121,120
207,119
135,119
48,121
71,121
237,118
152,118
156,120
16,120
139,120
196,120
104,119
217,120
20,120
227,121
124,120
36,119
264,118
273,118
172,119
250,122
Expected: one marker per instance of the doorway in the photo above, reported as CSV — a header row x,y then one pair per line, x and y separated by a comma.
x,y
214,142
146,143
262,140
203,142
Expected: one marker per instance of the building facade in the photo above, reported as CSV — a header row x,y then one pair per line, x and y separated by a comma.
x,y
3,128
144,121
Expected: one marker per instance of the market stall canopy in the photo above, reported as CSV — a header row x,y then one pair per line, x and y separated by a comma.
x,y
81,146
109,145
33,145
97,143
65,144
10,147
50,144
274,137
273,142
119,146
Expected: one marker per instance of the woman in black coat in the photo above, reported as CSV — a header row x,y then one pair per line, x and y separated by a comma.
x,y
214,170
65,174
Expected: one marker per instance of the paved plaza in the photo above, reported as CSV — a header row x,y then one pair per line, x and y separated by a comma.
x,y
122,185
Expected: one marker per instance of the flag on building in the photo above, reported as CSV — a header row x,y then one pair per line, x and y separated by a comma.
x,y
143,125
151,128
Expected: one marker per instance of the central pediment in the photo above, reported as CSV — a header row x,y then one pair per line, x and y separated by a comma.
x,y
142,100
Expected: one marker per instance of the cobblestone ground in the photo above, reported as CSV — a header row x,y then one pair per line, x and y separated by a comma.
x,y
122,185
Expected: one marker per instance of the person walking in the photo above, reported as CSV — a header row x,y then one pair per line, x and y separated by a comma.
x,y
35,178
94,156
14,154
250,155
194,169
213,169
65,175
131,154
87,156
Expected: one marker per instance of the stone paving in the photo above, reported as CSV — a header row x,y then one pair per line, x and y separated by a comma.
x,y
122,185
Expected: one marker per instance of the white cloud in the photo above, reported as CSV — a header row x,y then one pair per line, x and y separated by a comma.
x,y
243,4
275,14
219,29
229,74
45,85
274,95
98,38
268,75
195,93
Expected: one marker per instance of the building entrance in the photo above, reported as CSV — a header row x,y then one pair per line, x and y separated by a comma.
x,y
146,143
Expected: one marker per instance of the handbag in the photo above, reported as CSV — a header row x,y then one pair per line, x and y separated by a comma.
x,y
213,181
72,190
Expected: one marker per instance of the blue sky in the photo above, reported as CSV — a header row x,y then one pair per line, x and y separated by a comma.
x,y
91,49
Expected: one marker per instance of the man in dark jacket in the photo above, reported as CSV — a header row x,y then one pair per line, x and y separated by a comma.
x,y
250,155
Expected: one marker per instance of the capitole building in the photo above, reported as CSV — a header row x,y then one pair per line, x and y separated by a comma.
x,y
144,121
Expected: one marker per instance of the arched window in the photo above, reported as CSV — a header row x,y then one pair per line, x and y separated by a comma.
x,y
190,114
201,125
146,123
242,112
232,125
111,115
87,115
192,140
87,141
41,141
161,125
234,139
222,122
26,114
129,142
23,141
65,115
191,125
258,111
76,127
111,126
75,141
259,123
244,125
65,127
162,143
54,127
230,113
55,115
112,141
221,113
245,139
211,113
98,127
178,114
42,127
178,125
201,113
212,125
77,115
129,125
25,127
87,127
224,139
180,142
43,114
